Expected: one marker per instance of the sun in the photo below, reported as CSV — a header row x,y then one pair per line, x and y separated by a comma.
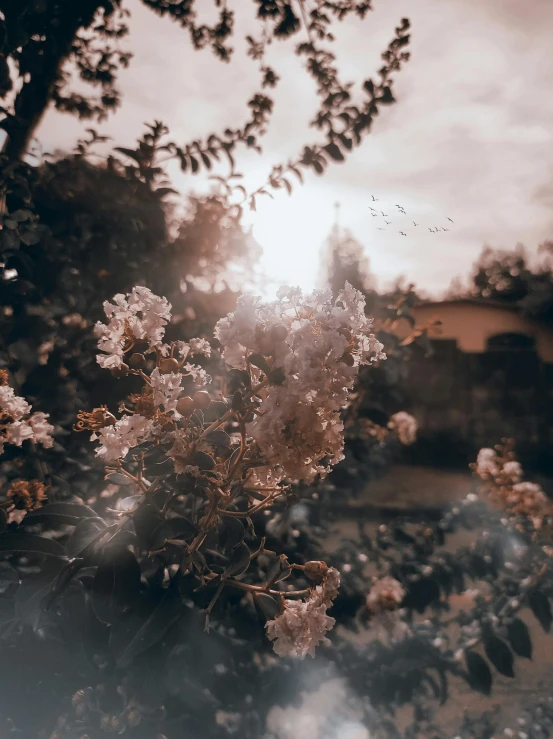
x,y
291,231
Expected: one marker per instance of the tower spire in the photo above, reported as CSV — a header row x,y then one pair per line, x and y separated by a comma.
x,y
337,217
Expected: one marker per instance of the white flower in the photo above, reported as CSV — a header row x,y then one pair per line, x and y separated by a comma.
x,y
386,594
317,345
197,373
166,389
139,315
118,439
487,464
405,426
11,404
200,346
303,624
513,471
18,432
41,429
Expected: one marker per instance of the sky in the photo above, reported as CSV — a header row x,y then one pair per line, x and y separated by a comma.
x,y
469,138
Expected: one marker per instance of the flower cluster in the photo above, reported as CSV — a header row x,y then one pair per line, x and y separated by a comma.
x,y
386,594
302,625
312,348
140,316
292,363
405,427
17,424
502,476
23,496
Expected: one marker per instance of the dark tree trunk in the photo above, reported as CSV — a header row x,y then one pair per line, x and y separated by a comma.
x,y
35,95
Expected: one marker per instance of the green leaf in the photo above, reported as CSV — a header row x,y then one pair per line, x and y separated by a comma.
x,y
519,638
499,655
31,544
479,674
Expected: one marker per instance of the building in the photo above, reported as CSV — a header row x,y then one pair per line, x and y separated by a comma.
x,y
489,376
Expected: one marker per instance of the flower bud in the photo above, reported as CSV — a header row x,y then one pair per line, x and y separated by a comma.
x,y
133,718
202,399
137,361
185,406
121,371
316,571
166,366
279,332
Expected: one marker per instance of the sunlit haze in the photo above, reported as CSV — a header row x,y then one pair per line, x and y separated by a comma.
x,y
469,137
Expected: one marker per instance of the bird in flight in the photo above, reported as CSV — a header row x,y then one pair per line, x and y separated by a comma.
x,y
380,229
449,219
431,230
445,229
401,232
384,214
374,215
387,222
415,224
374,200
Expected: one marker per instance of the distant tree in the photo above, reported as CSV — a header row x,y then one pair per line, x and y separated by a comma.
x,y
343,259
510,277
47,45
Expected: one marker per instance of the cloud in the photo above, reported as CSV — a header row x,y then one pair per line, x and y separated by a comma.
x,y
469,138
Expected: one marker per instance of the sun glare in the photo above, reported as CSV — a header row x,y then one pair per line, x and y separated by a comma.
x,y
291,231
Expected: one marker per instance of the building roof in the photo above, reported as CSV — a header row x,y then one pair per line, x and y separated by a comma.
x,y
483,302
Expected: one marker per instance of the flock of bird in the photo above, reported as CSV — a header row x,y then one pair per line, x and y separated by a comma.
x,y
400,210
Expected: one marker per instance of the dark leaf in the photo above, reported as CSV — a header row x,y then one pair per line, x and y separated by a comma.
x,y
31,544
139,631
8,576
277,376
84,534
202,460
541,608
519,638
3,520
333,150
173,528
269,605
479,674
259,361
499,655
239,561
62,581
231,532
131,153
56,514
218,438
146,520
116,584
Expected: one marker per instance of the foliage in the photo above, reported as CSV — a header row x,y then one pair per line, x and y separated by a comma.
x,y
511,278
